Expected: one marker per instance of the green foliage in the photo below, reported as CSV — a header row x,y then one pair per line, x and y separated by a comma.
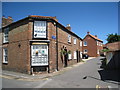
x,y
105,50
113,38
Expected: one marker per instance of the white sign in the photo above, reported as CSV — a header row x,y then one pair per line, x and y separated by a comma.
x,y
39,55
39,29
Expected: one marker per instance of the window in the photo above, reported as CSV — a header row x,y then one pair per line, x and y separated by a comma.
x,y
97,43
85,51
70,56
5,55
5,38
69,38
39,29
75,55
81,43
98,51
85,43
74,40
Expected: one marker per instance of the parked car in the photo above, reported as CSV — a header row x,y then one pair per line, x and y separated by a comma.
x,y
85,56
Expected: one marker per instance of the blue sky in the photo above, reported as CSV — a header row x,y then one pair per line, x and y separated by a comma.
x,y
99,18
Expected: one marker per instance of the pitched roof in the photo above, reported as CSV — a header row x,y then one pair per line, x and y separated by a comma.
x,y
96,38
44,17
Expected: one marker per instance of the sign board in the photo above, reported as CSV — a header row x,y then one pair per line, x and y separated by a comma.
x,y
39,54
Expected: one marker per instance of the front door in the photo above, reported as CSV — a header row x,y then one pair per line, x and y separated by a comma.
x,y
39,55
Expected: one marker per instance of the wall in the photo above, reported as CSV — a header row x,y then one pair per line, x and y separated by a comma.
x,y
91,46
18,48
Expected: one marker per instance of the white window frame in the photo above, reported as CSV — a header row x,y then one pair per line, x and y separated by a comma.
x,y
75,40
40,30
5,55
5,37
80,43
75,55
85,51
98,51
69,38
97,43
84,43
70,56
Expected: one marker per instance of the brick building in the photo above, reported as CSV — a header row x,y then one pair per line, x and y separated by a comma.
x,y
39,44
92,45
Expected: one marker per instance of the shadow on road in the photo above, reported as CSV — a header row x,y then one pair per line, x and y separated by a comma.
x,y
112,75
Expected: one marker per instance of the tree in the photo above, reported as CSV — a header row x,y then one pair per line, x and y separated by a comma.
x,y
113,38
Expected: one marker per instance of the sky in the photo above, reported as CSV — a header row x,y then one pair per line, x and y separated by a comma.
x,y
99,18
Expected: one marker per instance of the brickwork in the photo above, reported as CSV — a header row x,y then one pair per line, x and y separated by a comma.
x,y
19,45
92,46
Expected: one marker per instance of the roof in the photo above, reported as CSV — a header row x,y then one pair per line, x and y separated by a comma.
x,y
113,46
45,17
96,38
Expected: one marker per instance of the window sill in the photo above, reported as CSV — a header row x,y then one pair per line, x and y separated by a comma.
x,y
5,63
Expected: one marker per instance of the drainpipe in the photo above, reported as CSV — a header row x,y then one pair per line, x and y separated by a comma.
x,y
56,48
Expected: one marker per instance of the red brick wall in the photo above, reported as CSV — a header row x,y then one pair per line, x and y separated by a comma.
x,y
18,57
91,46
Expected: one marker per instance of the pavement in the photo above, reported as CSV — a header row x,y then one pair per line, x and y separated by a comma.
x,y
27,77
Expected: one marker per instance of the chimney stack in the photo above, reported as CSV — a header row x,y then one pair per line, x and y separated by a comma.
x,y
68,27
6,21
88,32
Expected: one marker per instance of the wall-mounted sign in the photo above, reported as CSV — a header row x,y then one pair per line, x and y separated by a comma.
x,y
39,54
53,37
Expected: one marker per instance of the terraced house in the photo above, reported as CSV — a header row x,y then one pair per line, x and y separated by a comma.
x,y
39,44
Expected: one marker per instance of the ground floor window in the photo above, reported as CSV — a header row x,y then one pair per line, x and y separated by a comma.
x,y
5,55
85,51
39,54
69,56
75,55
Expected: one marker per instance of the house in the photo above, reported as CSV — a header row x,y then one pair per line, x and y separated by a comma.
x,y
92,45
113,55
39,44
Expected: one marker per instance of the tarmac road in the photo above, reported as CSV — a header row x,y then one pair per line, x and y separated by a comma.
x,y
87,75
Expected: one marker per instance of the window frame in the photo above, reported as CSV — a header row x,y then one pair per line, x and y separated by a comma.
x,y
84,43
37,28
5,56
75,41
80,43
5,35
69,38
86,50
75,55
70,57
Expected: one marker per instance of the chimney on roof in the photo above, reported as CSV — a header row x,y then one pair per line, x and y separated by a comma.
x,y
68,27
95,35
6,21
88,33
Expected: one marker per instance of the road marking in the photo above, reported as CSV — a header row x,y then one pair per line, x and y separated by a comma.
x,y
6,77
41,85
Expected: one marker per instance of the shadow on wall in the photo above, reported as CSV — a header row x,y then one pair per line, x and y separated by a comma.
x,y
112,70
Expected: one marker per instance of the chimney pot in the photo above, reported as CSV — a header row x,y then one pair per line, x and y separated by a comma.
x,y
88,32
68,27
95,35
